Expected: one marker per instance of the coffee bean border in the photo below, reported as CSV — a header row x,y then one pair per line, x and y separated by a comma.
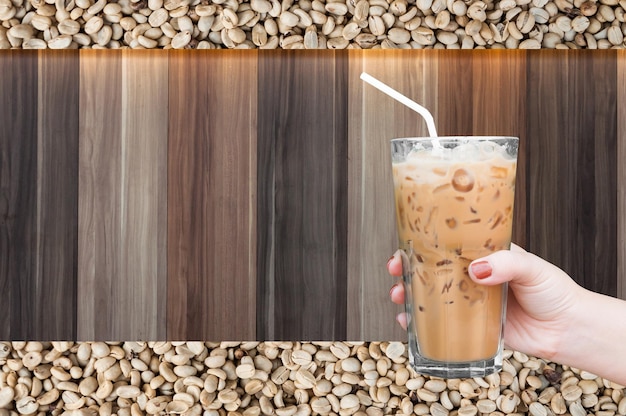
x,y
281,379
313,24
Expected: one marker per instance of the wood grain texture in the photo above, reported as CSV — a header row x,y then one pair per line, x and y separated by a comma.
x,y
123,132
302,184
499,108
55,288
143,197
99,221
621,174
455,93
248,195
18,193
572,195
544,174
602,100
212,195
375,119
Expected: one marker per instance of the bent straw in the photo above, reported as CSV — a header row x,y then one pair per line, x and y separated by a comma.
x,y
430,122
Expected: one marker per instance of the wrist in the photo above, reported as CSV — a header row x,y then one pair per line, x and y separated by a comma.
x,y
573,342
594,337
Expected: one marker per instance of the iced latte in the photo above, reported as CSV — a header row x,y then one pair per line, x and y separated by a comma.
x,y
454,203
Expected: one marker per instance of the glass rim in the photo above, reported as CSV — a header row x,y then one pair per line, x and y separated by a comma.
x,y
452,138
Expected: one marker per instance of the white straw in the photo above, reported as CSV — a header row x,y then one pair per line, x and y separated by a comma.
x,y
430,122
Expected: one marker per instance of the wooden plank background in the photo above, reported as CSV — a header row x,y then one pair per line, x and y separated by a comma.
x,y
57,197
18,179
572,198
211,251
122,195
247,194
38,194
302,183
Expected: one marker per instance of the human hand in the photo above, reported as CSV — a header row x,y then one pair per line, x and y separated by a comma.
x,y
541,303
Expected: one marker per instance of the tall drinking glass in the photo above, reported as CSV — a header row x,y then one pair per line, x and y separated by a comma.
x,y
454,203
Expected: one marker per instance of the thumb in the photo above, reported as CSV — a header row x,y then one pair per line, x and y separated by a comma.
x,y
518,267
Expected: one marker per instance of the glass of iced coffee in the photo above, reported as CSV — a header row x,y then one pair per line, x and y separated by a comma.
x,y
454,203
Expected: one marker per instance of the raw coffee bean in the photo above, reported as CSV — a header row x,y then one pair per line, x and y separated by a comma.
x,y
284,379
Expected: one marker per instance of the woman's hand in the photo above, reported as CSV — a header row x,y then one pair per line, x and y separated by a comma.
x,y
541,302
548,314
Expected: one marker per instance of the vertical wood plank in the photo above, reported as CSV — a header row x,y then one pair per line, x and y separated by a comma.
x,y
621,174
57,201
503,114
375,119
302,171
100,175
18,192
455,93
212,195
572,133
143,195
545,118
122,195
602,215
548,129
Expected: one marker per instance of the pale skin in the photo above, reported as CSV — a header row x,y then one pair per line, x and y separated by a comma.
x,y
548,314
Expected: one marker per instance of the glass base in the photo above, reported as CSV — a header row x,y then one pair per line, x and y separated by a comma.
x,y
444,369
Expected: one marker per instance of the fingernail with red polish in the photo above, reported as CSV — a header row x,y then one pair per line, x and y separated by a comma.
x,y
389,261
392,289
481,269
